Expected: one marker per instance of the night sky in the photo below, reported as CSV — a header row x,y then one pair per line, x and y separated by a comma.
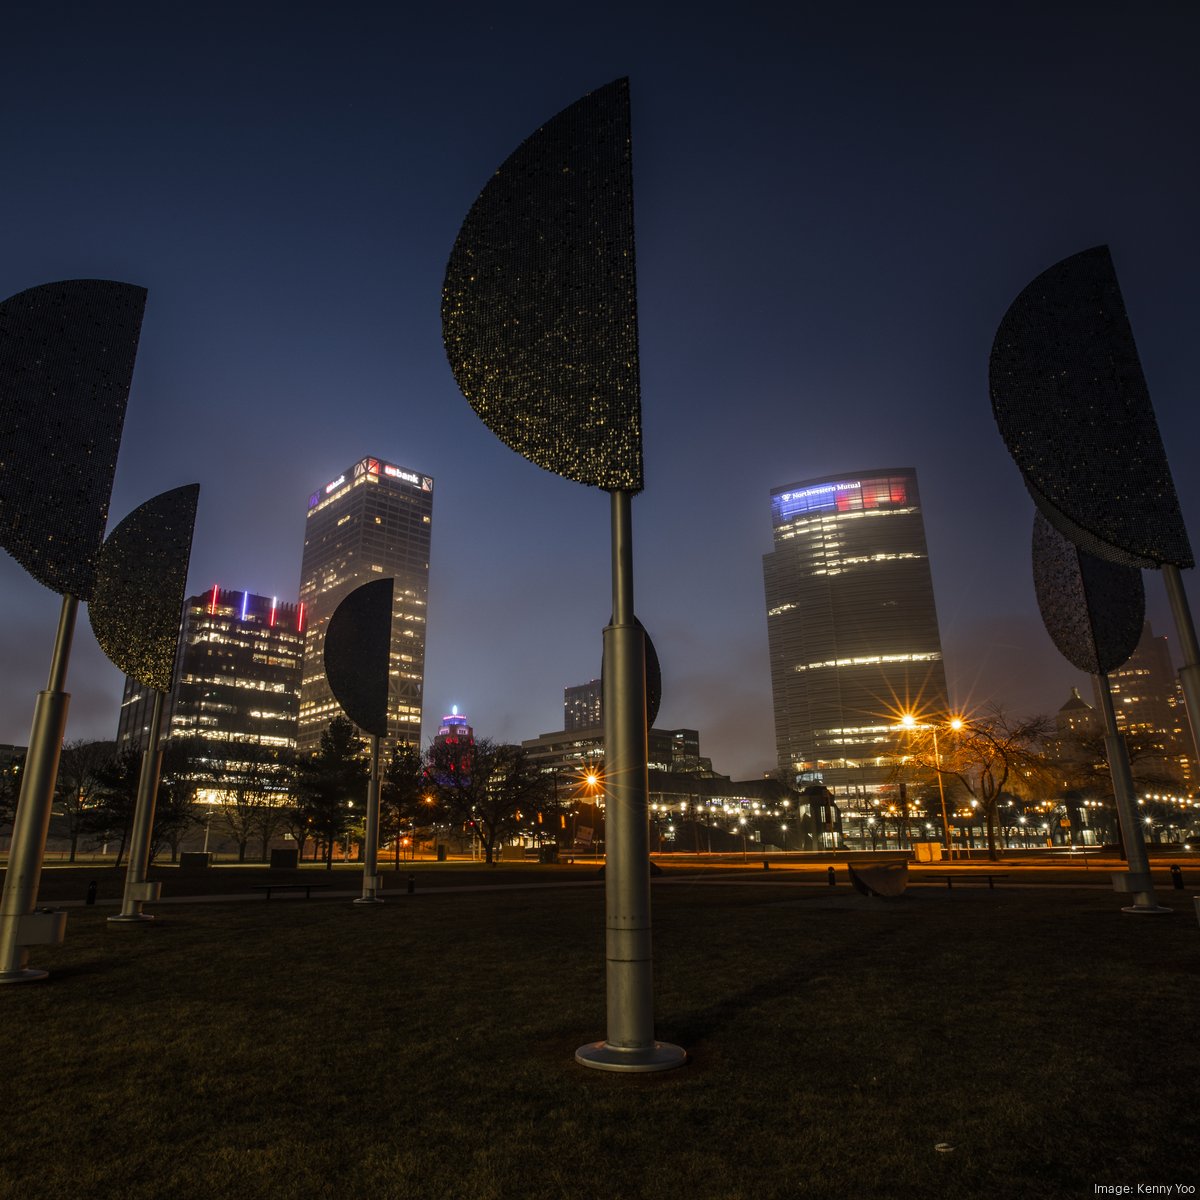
x,y
833,213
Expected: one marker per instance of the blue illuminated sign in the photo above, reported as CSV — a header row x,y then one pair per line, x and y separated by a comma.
x,y
813,499
847,496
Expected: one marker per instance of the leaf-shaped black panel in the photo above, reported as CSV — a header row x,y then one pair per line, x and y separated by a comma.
x,y
141,577
1073,408
653,678
66,364
539,305
358,643
653,682
1093,609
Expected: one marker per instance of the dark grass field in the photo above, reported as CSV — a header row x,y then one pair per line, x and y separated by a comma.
x,y
424,1048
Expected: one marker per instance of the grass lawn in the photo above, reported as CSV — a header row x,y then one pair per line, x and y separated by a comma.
x,y
424,1048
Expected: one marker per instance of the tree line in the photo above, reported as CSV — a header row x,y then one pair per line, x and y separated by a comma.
x,y
1004,772
488,791
995,772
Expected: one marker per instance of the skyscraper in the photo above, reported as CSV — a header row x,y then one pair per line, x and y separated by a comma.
x,y
1148,703
581,706
373,520
236,694
851,625
454,743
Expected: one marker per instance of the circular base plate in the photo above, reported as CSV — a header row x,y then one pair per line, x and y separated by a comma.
x,y
661,1056
28,975
130,919
1153,909
367,900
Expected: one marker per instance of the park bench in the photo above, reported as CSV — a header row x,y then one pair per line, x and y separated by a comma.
x,y
306,888
990,876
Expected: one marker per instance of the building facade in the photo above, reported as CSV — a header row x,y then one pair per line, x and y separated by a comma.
x,y
851,626
1150,712
579,751
454,743
581,706
237,689
1077,720
372,521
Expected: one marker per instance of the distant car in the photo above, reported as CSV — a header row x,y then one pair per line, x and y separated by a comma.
x,y
1191,844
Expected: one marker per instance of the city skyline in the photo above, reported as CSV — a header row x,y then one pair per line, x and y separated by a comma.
x,y
827,296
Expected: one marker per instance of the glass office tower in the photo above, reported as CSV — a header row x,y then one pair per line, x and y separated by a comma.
x,y
372,521
237,683
851,625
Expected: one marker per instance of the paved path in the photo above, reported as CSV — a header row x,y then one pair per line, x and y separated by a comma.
x,y
810,880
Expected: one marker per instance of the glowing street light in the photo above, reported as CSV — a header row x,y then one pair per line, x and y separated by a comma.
x,y
909,721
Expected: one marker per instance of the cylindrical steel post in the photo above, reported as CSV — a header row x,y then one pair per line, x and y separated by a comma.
x,y
627,873
32,821
630,1045
371,832
1125,794
1189,673
143,823
937,762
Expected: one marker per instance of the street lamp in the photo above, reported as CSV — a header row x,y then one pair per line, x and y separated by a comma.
x,y
591,782
555,807
955,723
432,802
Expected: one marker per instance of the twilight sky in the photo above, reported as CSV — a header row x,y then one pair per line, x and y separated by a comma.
x,y
833,212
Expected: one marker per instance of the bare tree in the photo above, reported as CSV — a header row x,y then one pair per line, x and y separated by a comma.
x,y
495,788
274,816
986,754
10,788
1082,769
78,783
111,816
295,819
175,810
249,791
403,795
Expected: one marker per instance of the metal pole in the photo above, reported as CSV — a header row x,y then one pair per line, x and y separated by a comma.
x,y
1137,879
19,925
371,849
1189,673
630,1045
937,762
137,890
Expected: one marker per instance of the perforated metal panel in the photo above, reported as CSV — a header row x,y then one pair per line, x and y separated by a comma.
x,y
539,306
1073,408
1092,609
66,363
141,577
